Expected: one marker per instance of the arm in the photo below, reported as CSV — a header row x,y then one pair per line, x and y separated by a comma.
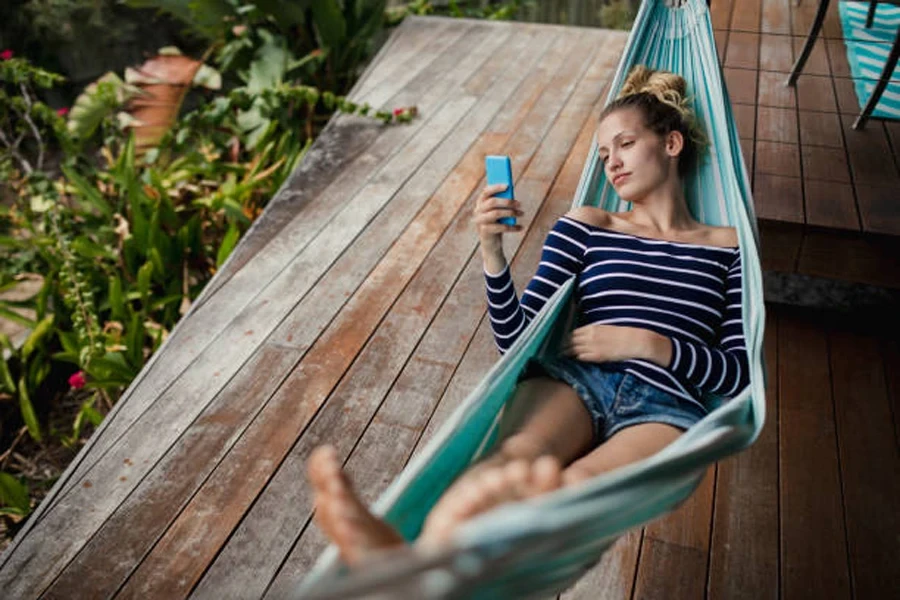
x,y
724,368
561,258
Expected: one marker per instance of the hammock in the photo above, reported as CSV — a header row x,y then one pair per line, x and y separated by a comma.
x,y
540,547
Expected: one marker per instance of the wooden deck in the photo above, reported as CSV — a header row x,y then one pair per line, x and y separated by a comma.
x,y
826,195
353,313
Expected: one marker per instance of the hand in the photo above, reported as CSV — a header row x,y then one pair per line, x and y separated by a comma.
x,y
610,343
488,210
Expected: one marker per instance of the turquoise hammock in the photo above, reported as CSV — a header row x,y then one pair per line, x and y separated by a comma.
x,y
540,547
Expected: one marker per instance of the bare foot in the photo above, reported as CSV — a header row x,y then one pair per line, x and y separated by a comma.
x,y
487,489
340,513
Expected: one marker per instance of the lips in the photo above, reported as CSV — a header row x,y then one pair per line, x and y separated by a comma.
x,y
618,178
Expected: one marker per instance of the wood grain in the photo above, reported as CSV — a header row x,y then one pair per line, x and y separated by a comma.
x,y
744,549
776,17
870,464
831,204
813,546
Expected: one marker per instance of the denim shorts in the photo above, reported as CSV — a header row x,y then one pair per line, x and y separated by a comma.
x,y
615,399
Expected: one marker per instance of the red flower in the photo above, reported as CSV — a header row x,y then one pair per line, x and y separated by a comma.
x,y
62,111
77,381
399,111
6,54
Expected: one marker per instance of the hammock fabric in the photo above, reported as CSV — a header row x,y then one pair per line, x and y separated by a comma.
x,y
540,547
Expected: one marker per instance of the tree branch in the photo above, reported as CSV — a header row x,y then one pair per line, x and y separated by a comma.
x,y
23,162
34,129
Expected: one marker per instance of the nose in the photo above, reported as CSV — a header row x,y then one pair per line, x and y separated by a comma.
x,y
613,162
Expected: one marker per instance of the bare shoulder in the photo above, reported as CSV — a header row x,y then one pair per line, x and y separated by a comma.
x,y
590,215
719,236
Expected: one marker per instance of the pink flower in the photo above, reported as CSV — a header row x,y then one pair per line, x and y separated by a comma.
x,y
6,54
62,111
399,111
77,381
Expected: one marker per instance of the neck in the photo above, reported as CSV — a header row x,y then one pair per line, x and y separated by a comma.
x,y
664,210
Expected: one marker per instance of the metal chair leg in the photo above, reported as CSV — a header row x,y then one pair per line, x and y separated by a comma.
x,y
810,42
881,85
870,17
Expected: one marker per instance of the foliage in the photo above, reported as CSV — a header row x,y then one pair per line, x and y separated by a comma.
x,y
121,230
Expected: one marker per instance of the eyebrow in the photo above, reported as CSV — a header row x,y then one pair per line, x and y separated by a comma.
x,y
615,137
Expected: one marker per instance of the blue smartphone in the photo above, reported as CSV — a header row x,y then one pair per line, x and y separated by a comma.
x,y
499,170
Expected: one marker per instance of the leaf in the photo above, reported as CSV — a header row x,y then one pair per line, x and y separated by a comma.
x,y
6,380
329,22
87,193
269,65
208,77
36,336
144,274
27,410
14,495
228,244
116,301
15,317
96,102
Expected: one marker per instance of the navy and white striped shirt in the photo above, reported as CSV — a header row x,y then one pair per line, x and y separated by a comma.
x,y
690,293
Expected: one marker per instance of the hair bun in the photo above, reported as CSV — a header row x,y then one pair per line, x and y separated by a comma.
x,y
666,87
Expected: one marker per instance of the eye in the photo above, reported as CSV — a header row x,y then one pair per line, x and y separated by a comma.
x,y
627,143
603,159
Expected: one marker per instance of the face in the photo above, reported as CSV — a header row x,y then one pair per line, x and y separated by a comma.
x,y
636,160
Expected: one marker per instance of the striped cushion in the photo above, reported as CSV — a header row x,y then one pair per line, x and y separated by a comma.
x,y
867,51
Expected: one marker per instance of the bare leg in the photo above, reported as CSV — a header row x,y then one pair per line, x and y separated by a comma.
x,y
626,446
546,426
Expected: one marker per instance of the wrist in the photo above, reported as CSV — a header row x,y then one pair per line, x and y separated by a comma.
x,y
657,348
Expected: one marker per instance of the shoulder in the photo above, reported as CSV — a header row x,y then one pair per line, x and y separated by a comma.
x,y
726,237
590,215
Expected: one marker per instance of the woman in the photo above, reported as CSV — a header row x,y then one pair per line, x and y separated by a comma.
x,y
660,324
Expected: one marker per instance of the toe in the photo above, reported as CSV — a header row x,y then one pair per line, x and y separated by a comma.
x,y
320,466
547,475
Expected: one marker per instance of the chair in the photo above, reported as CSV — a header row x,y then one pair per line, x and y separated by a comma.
x,y
883,80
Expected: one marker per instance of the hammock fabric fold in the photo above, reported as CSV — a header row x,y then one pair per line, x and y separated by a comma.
x,y
540,547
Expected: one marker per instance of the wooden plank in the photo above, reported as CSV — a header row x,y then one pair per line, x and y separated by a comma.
x,y
890,350
773,92
741,84
776,124
675,551
802,16
744,548
878,208
720,14
813,547
871,158
776,17
870,464
777,198
746,15
775,158
831,28
391,436
775,53
613,577
173,411
780,244
848,103
830,204
747,150
745,116
743,50
820,129
837,58
720,37
863,259
825,164
166,570
387,159
816,93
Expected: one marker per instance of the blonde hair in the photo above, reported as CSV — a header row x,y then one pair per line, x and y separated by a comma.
x,y
662,99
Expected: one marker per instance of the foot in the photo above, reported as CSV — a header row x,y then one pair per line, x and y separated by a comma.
x,y
341,514
481,491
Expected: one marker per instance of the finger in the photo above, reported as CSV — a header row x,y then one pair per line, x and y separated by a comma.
x,y
492,215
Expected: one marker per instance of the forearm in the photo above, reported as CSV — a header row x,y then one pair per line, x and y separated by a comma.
x,y
493,258
654,347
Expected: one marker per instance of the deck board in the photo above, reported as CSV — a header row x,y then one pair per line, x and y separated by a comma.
x,y
353,313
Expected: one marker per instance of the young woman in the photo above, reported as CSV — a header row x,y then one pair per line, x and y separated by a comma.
x,y
659,298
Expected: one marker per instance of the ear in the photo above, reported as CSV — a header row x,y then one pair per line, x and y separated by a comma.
x,y
674,143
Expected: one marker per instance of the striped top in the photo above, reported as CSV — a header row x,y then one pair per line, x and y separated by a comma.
x,y
690,293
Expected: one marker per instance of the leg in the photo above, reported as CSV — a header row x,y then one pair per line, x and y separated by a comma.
x,y
624,447
546,426
810,42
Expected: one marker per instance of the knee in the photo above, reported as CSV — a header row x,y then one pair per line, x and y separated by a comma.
x,y
524,446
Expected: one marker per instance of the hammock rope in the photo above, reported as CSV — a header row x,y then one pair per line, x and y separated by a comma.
x,y
540,547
